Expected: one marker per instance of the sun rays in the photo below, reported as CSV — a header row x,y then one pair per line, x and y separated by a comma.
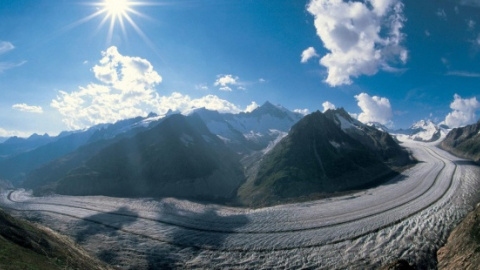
x,y
117,14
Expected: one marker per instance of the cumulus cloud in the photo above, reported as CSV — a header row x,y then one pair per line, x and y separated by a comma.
x,y
307,54
463,112
374,109
126,90
361,37
327,105
226,82
27,108
252,107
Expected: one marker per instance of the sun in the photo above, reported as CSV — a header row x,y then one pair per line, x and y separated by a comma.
x,y
117,12
116,8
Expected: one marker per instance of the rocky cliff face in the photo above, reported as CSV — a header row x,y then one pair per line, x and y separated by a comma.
x,y
462,250
464,142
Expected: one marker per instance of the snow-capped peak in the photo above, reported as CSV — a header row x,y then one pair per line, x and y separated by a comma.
x,y
424,130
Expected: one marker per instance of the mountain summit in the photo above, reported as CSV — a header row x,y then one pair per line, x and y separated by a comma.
x,y
322,153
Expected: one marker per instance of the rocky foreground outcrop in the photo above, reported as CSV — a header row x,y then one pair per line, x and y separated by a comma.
x,y
462,250
24,245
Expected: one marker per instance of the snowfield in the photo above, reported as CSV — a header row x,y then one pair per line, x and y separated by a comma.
x,y
408,217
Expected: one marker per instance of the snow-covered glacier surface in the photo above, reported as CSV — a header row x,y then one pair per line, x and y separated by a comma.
x,y
409,217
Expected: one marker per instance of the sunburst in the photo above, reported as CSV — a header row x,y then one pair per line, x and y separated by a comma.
x,y
119,11
116,12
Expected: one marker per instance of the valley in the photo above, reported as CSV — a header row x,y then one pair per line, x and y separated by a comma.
x,y
367,228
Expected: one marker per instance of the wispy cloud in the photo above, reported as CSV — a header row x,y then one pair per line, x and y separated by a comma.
x,y
472,3
27,108
463,74
441,14
9,65
201,87
6,46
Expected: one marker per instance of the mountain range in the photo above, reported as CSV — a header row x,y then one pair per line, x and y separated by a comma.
x,y
268,156
423,131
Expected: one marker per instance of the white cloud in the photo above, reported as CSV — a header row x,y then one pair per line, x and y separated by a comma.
x,y
427,33
327,105
361,37
225,80
6,46
11,133
27,108
307,54
302,111
262,80
463,112
225,88
374,109
127,90
252,107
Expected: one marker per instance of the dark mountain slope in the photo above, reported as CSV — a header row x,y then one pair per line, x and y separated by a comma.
x,y
464,142
179,158
44,178
16,145
16,168
316,157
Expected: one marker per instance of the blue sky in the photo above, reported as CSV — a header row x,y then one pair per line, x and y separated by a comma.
x,y
389,61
